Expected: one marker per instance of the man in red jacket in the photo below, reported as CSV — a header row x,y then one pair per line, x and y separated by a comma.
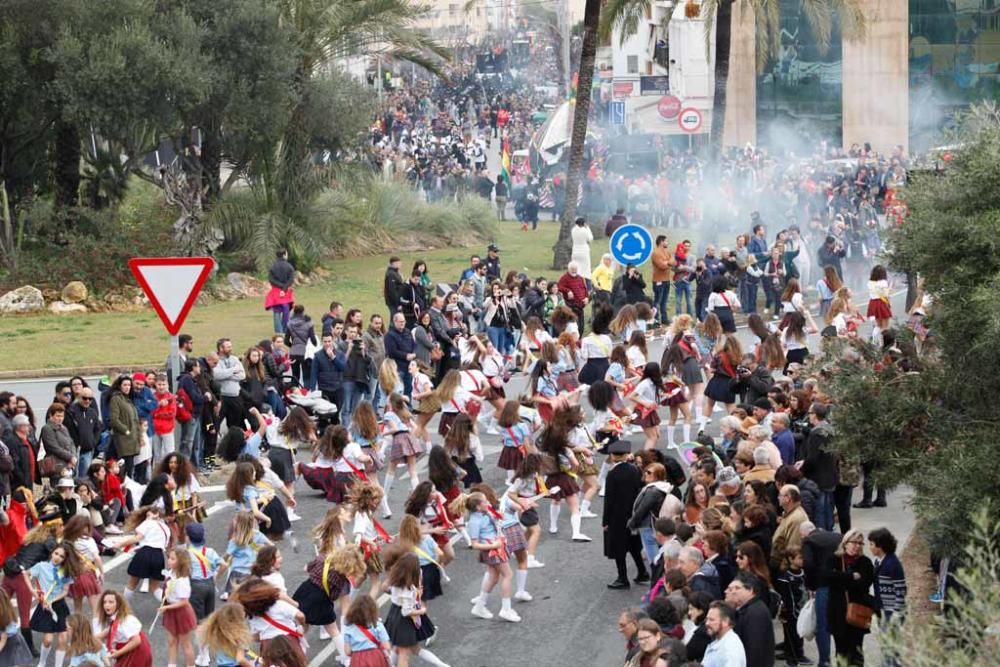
x,y
573,288
164,415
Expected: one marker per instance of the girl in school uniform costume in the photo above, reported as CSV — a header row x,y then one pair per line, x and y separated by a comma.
x,y
366,641
121,632
50,582
151,536
407,623
178,615
226,633
487,538
270,616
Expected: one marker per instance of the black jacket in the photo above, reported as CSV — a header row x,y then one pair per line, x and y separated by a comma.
x,y
21,457
755,628
759,535
698,643
390,289
398,344
411,300
84,425
623,485
819,460
634,288
281,275
809,496
818,551
756,385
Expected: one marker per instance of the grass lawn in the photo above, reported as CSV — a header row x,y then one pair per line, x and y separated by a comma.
x,y
39,342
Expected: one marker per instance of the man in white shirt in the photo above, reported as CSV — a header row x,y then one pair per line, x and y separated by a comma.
x,y
726,649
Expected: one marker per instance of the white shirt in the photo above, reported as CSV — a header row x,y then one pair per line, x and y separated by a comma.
x,y
128,627
282,613
635,357
364,527
596,346
458,401
646,391
353,453
153,534
277,580
473,381
178,589
715,300
725,652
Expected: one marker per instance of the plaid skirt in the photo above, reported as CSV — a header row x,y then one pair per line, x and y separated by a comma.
x,y
404,444
180,621
510,458
85,585
650,420
444,425
567,381
567,485
516,541
333,484
373,563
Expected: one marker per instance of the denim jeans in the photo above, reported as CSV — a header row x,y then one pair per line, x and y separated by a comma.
x,y
278,408
190,433
280,315
502,340
661,292
649,545
354,393
83,461
824,510
750,303
822,626
682,288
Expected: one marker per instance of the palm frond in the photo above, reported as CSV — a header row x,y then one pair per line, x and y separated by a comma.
x,y
623,15
820,19
853,20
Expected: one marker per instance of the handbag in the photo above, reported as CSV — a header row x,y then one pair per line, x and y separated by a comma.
x,y
806,623
48,466
859,615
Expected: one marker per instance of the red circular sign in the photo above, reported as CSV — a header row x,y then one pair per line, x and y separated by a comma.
x,y
668,107
690,120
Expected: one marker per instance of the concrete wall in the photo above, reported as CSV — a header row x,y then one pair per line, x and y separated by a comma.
x,y
876,79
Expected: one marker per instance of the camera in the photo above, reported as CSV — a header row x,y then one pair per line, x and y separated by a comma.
x,y
742,370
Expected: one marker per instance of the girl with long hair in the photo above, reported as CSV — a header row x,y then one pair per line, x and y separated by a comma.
x,y
296,431
527,484
750,557
444,473
572,420
720,389
50,581
389,382
561,466
646,400
328,584
489,362
178,616
404,447
795,335
879,291
791,302
422,398
430,507
366,641
675,393
407,623
365,432
267,566
368,533
78,533
226,633
152,536
454,398
463,445
515,538
624,323
431,556
270,616
241,552
827,286
637,351
515,436
595,348
623,377
240,489
253,389
337,464
532,340
569,360
683,335
186,492
723,303
283,652
121,632
695,502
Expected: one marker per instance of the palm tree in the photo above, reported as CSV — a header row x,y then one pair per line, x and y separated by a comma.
x,y
563,248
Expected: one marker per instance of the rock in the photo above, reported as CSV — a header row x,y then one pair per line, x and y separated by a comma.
x,y
95,306
50,295
25,299
247,286
321,272
301,278
74,292
63,308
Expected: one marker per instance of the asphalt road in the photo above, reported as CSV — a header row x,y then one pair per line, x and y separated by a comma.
x,y
571,619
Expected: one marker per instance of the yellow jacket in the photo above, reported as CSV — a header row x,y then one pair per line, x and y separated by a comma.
x,y
602,277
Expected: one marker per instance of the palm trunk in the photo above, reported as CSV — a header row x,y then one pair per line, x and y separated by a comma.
x,y
723,39
563,248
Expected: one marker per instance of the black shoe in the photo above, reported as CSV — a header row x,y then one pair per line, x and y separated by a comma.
x,y
863,505
619,585
880,502
642,578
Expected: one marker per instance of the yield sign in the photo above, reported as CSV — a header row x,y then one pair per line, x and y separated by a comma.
x,y
172,284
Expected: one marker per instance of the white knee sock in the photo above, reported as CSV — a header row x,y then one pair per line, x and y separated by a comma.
x,y
128,594
574,521
510,477
554,510
687,432
427,656
584,506
384,505
414,481
602,475
483,595
670,436
338,643
203,656
60,658
522,579
505,604
390,477
43,655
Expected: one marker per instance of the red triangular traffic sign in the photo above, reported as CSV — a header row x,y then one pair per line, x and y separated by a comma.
x,y
171,284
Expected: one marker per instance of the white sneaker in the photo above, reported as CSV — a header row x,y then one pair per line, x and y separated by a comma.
x,y
474,601
323,634
587,515
523,596
510,615
581,538
482,612
144,586
224,596
492,430
112,530
601,492
553,529
534,563
672,445
292,516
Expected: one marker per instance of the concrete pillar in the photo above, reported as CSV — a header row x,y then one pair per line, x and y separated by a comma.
x,y
876,94
741,87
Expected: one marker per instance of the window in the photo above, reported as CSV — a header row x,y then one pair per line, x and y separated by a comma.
x,y
633,65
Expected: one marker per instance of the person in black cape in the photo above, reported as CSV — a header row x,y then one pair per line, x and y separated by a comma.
x,y
624,482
